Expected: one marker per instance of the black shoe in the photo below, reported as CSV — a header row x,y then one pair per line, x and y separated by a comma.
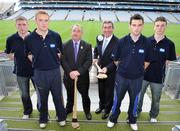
x,y
98,110
88,116
105,116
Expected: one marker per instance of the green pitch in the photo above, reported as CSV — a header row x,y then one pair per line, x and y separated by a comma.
x,y
91,30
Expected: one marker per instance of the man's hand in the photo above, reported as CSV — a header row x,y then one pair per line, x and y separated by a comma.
x,y
116,62
95,60
146,64
104,70
59,55
11,56
30,57
167,62
74,74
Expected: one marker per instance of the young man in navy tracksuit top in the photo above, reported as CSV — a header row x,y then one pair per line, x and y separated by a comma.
x,y
131,56
15,48
163,52
44,46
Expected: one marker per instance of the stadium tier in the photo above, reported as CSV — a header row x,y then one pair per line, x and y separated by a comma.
x,y
115,10
142,5
97,15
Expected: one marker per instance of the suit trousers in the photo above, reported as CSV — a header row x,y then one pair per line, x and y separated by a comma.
x,y
106,92
83,88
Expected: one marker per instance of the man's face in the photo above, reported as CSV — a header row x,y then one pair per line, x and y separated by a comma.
x,y
42,21
160,27
136,27
76,33
22,26
107,29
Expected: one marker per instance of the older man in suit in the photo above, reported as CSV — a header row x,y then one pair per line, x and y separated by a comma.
x,y
102,54
76,61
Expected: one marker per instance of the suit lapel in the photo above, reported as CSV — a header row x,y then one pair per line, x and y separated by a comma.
x,y
100,48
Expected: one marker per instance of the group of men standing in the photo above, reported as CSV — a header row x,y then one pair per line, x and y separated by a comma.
x,y
131,64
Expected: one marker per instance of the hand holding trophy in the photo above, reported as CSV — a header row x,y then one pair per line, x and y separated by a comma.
x,y
101,74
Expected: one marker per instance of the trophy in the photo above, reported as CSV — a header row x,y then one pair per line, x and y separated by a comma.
x,y
100,75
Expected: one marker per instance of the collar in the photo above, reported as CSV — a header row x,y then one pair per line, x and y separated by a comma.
x,y
153,38
133,36
78,42
108,38
18,36
153,41
131,40
49,32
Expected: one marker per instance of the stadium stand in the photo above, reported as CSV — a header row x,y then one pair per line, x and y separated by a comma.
x,y
115,10
153,15
16,14
6,9
170,17
123,16
111,16
75,15
59,14
91,15
177,16
146,18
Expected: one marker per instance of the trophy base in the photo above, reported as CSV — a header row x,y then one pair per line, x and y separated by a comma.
x,y
102,76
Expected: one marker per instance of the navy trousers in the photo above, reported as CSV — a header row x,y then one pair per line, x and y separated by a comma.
x,y
47,81
122,85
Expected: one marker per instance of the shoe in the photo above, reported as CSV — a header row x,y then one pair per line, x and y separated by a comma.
x,y
98,110
105,116
110,124
25,117
153,120
42,125
62,123
134,127
88,116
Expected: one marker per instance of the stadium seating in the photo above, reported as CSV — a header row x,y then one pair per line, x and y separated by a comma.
x,y
6,8
108,15
75,15
16,14
59,15
91,15
123,16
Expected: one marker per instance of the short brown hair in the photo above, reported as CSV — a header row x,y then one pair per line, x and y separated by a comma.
x,y
136,17
21,18
161,18
108,22
43,12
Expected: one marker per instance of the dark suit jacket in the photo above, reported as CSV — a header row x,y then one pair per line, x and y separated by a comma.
x,y
105,60
84,60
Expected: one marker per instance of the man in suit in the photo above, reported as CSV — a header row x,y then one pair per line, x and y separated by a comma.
x,y
76,61
102,55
